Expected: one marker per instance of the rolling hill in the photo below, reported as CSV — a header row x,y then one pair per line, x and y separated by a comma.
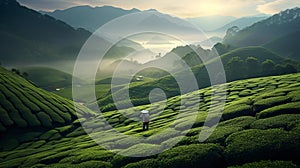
x,y
49,78
260,53
172,60
259,128
24,106
241,70
30,37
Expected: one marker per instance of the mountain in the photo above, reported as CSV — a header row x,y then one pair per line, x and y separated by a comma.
x,y
152,20
92,18
218,25
30,37
156,20
287,46
263,32
210,23
149,21
241,23
88,17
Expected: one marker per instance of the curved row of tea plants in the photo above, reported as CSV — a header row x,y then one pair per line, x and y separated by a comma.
x,y
24,107
260,127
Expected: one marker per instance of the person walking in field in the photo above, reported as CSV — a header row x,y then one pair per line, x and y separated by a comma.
x,y
145,119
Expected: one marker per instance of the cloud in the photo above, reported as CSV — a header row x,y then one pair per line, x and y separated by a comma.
x,y
237,8
277,6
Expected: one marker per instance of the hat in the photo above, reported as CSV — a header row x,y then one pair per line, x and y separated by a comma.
x,y
144,111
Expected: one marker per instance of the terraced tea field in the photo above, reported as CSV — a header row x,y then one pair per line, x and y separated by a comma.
x,y
260,127
24,107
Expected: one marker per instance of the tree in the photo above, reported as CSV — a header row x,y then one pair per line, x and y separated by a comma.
x,y
25,75
290,68
268,67
222,48
285,69
16,71
298,66
235,69
253,67
279,69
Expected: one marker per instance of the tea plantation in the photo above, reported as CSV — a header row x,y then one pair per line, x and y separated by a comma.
x,y
260,127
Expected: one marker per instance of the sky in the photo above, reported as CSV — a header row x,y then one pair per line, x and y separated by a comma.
x,y
180,8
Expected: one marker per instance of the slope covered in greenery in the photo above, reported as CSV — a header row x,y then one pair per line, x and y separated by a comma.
x,y
241,63
24,106
266,31
260,53
286,46
49,78
259,128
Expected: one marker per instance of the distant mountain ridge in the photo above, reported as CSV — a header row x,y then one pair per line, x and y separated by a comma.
x,y
263,32
93,18
241,23
29,37
88,17
210,23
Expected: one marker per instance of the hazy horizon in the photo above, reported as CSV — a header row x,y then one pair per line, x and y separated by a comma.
x,y
186,9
